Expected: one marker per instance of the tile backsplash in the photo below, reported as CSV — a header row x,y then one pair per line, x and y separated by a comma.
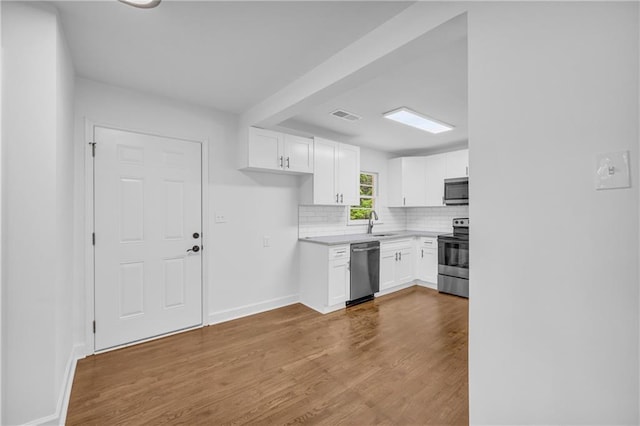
x,y
434,218
316,221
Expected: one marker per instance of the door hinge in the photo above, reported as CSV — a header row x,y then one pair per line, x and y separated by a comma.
x,y
94,327
93,148
93,238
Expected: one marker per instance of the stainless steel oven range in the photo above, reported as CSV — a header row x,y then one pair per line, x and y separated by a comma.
x,y
453,259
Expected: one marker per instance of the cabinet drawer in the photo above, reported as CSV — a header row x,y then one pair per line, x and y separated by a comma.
x,y
339,252
397,244
428,242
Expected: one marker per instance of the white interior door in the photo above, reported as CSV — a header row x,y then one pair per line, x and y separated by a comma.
x,y
148,213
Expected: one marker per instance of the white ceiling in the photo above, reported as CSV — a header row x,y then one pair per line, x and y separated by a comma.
x,y
430,77
233,55
225,55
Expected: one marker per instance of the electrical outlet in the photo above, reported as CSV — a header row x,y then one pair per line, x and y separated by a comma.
x,y
266,241
220,218
612,170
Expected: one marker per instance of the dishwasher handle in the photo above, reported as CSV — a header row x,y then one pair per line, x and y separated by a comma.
x,y
365,249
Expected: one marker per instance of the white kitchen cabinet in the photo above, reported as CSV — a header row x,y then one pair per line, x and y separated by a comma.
x,y
278,152
407,182
336,176
324,276
297,154
388,260
404,269
396,263
339,280
435,171
427,261
457,163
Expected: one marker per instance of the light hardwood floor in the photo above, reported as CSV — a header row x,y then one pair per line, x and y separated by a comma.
x,y
398,360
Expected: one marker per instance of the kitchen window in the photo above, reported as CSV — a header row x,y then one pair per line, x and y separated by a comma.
x,y
368,194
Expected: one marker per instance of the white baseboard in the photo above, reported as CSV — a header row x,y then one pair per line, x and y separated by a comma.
x,y
427,284
60,416
325,309
396,288
78,353
251,309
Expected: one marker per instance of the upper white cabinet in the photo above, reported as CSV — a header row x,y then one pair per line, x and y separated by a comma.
x,y
419,181
436,171
457,163
279,152
407,182
336,174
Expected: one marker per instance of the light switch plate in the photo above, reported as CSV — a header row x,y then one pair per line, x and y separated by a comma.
x,y
612,170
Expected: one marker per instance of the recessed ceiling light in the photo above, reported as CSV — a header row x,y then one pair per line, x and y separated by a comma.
x,y
414,119
144,4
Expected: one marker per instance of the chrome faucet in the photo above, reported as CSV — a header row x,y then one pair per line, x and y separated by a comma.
x,y
371,216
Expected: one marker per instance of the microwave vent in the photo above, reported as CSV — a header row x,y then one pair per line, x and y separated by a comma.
x,y
346,115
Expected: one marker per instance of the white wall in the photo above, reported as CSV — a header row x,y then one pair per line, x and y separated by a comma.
x,y
554,302
37,92
64,222
1,209
244,276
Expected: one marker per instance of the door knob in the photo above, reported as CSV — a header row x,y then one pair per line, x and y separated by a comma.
x,y
194,249
196,235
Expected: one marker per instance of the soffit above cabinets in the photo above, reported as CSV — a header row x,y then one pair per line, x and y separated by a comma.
x,y
430,78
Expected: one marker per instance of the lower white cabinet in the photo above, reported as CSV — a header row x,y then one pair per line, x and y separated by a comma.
x,y
396,263
325,277
339,280
427,261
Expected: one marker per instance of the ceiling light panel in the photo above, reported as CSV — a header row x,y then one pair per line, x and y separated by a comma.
x,y
419,121
144,4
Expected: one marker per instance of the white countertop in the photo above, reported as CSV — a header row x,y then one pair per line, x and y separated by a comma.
x,y
331,240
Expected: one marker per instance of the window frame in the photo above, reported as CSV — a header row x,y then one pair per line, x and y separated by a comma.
x,y
375,194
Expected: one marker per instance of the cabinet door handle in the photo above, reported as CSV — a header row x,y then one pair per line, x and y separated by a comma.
x,y
281,162
422,250
288,164
341,198
396,256
467,170
400,256
337,198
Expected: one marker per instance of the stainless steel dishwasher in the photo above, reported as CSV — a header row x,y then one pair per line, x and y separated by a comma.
x,y
365,271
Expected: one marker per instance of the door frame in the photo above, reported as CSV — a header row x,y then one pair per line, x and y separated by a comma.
x,y
89,228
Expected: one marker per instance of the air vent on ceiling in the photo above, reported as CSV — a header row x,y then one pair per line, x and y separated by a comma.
x,y
345,115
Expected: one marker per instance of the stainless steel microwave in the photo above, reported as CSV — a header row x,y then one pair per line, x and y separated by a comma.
x,y
456,191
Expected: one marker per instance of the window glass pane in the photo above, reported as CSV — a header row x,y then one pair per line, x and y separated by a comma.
x,y
366,178
358,213
367,198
